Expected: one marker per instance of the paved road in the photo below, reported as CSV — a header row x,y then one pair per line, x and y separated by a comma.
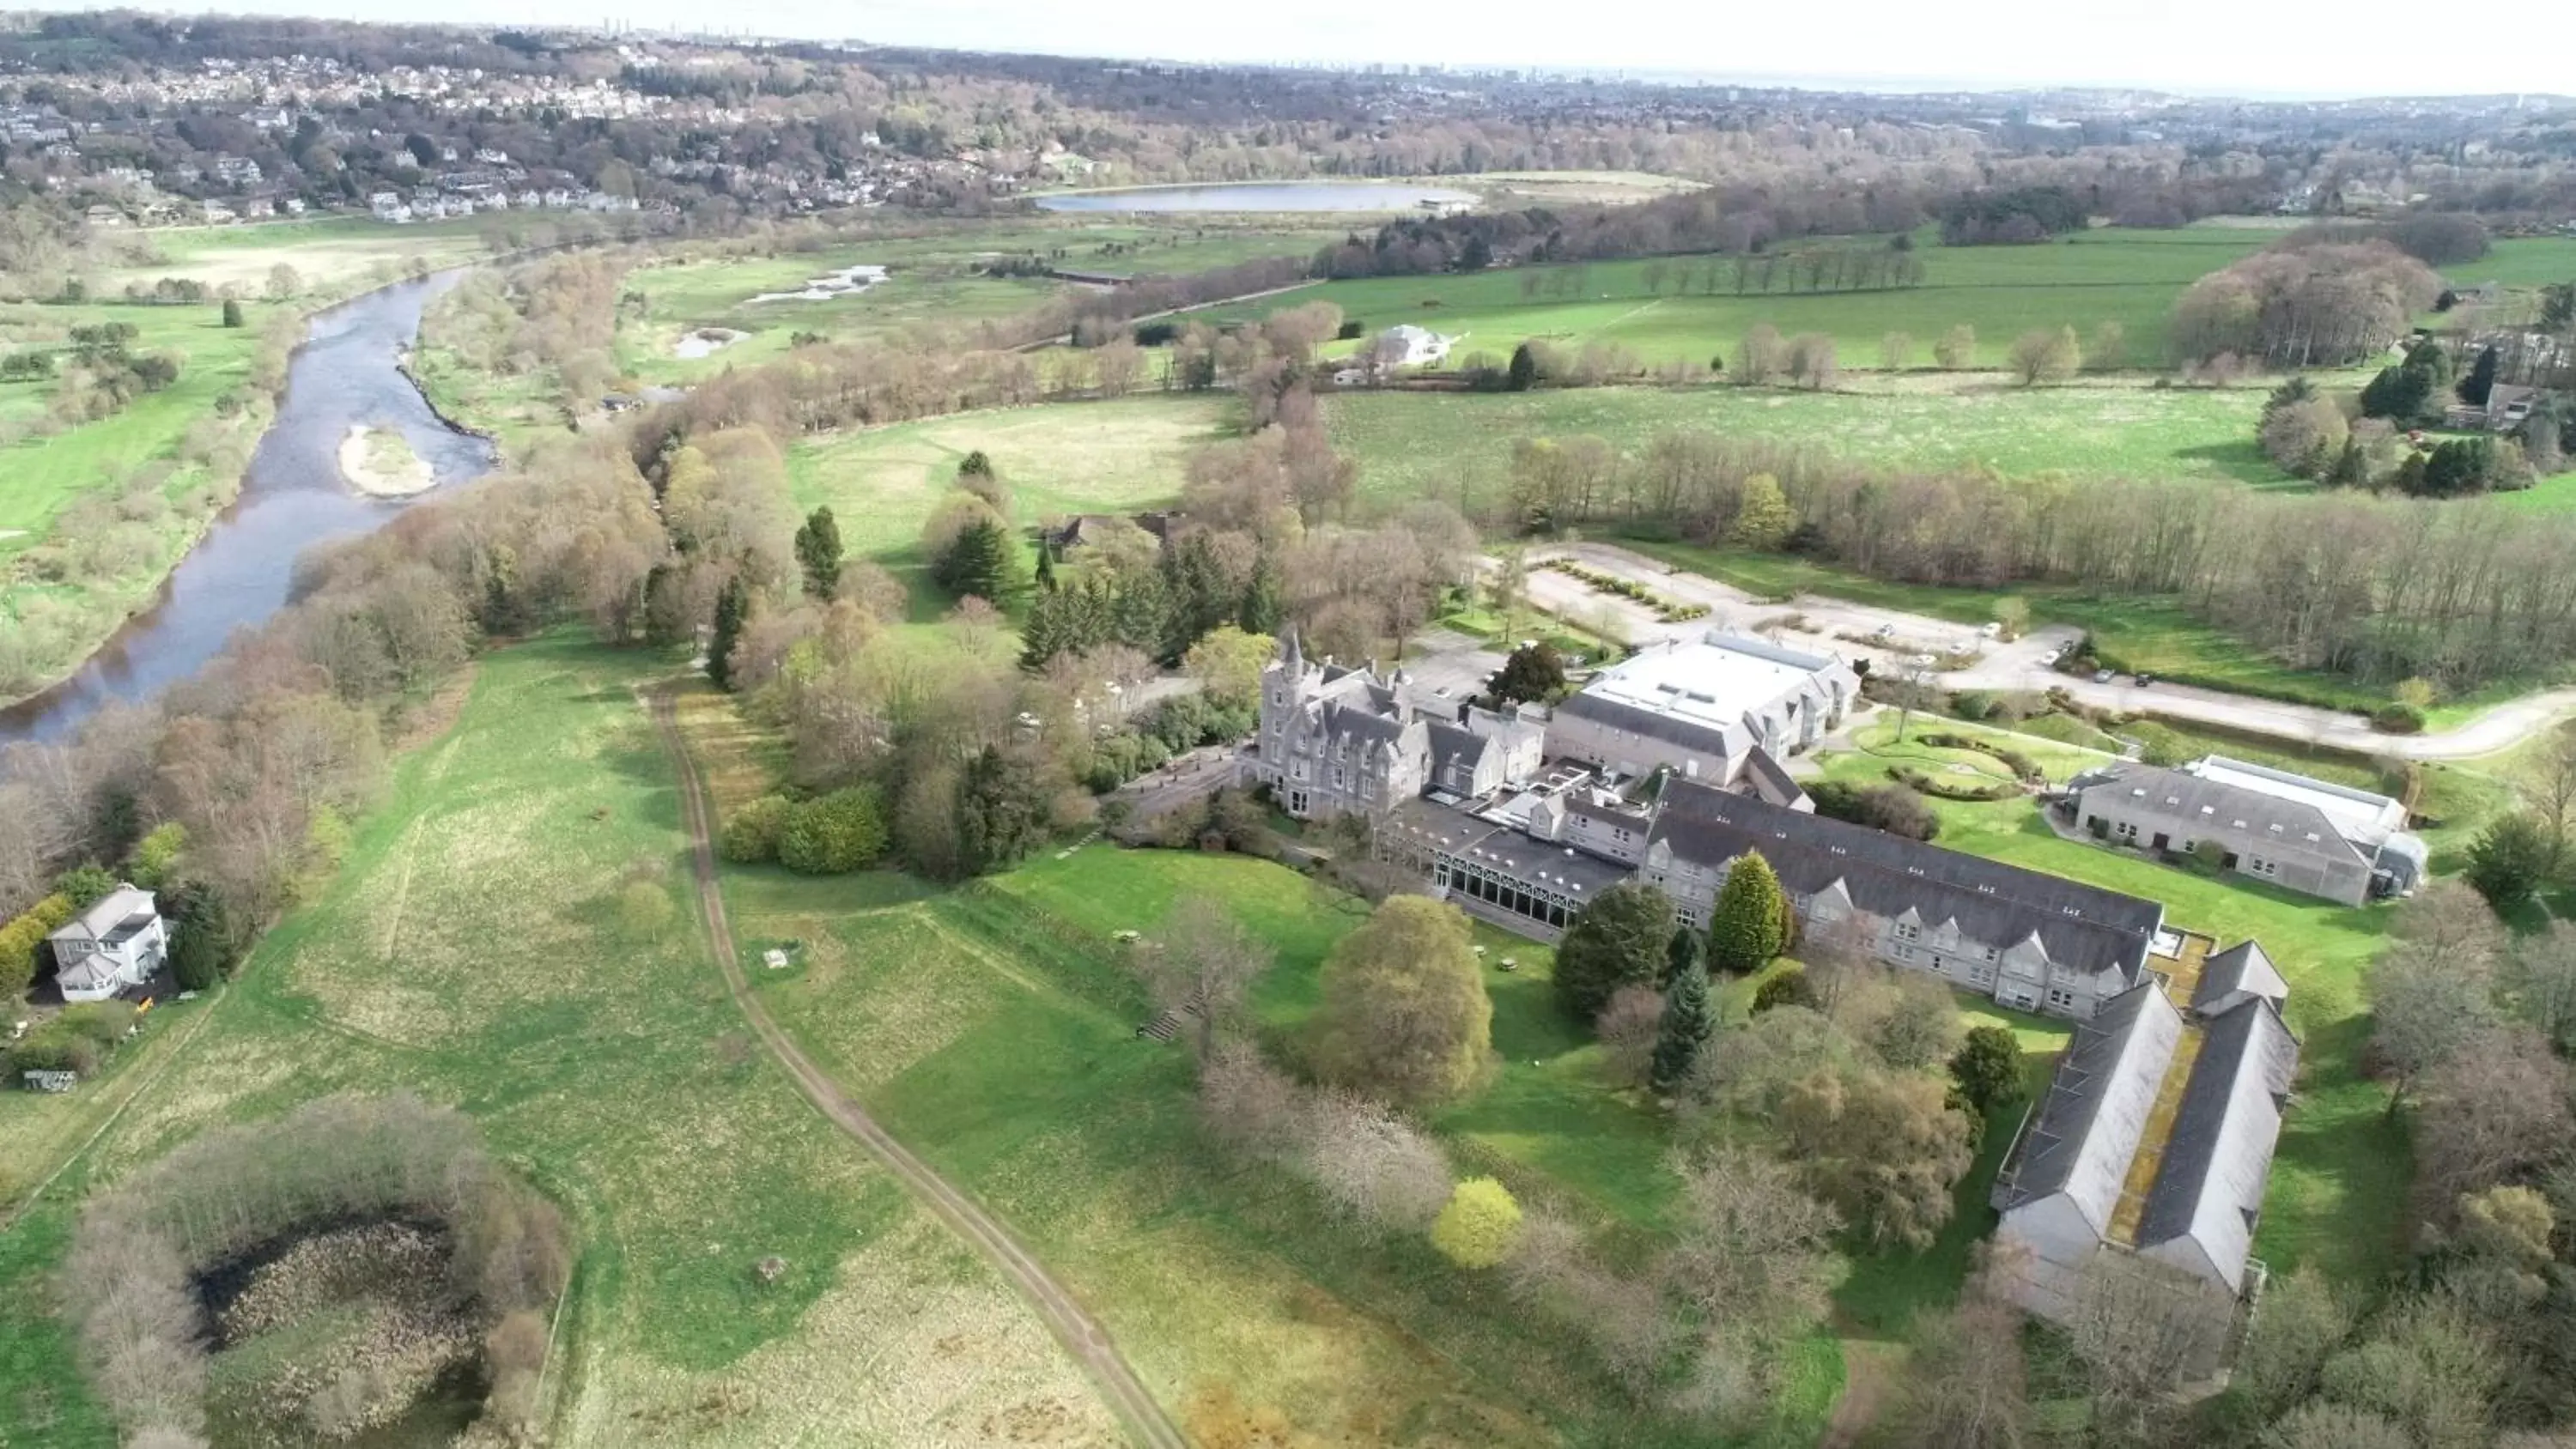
x,y
1851,629
1073,1326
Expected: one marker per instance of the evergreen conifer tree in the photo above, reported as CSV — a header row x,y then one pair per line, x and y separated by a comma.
x,y
733,606
1748,927
1684,1027
818,552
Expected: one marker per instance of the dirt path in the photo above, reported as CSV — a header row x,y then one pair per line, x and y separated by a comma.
x,y
1868,1367
1074,1327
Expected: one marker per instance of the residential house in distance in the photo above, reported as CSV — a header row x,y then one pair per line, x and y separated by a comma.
x,y
1700,707
115,945
2507,407
1405,345
2156,1134
2307,835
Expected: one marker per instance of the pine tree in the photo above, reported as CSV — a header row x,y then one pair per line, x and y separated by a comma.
x,y
818,552
2479,385
982,562
1524,371
732,607
1685,1025
1001,811
1046,569
1139,614
1747,929
1265,606
232,313
1687,949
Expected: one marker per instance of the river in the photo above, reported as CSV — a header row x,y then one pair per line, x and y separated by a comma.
x,y
292,497
1261,196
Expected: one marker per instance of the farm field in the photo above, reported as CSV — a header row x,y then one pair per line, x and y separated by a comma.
x,y
931,283
2107,275
2521,261
470,950
2339,1180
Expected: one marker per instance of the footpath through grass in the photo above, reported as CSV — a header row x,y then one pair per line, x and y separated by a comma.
x,y
994,1029
470,950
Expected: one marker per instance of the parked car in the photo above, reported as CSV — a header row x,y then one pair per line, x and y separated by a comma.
x,y
2048,659
1991,630
2103,676
2146,679
1883,631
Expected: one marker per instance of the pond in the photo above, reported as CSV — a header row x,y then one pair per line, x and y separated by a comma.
x,y
1263,196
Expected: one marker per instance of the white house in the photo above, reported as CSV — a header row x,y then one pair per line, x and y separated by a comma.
x,y
1405,345
119,942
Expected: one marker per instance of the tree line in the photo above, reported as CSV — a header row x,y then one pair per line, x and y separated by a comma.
x,y
2379,589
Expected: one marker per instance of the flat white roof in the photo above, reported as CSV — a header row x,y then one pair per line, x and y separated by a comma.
x,y
1715,681
2357,814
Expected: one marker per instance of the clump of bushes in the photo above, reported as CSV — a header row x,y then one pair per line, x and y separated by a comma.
x,y
1891,808
2021,764
1180,723
1943,790
1671,611
76,1040
2397,718
831,834
145,1253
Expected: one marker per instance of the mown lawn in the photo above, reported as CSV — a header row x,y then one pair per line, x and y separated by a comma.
x,y
2338,1188
468,950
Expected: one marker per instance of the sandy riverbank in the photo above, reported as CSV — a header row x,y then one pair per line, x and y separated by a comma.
x,y
377,462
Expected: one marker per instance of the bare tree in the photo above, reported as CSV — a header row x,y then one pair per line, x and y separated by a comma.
x,y
1966,1385
1626,1029
2427,1009
2491,1112
2141,1327
1896,351
2539,982
1375,1167
1202,967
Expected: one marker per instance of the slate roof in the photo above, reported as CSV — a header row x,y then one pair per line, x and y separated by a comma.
x,y
2220,804
2209,1184
1727,740
2083,927
1505,850
2096,1110
1455,744
119,913
2241,967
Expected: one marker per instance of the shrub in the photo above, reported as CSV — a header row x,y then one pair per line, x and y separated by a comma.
x,y
1891,808
1480,1226
643,910
1785,987
751,836
1944,790
23,939
2397,718
841,832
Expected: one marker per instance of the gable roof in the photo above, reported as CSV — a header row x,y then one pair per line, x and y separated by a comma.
x,y
2241,967
1708,739
2081,927
2227,798
2209,1184
125,909
2090,1123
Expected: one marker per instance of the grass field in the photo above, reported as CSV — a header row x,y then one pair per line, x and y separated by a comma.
x,y
328,253
1437,443
932,281
883,483
2106,275
2339,1179
995,1029
468,952
66,612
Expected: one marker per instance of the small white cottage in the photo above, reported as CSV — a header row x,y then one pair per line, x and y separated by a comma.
x,y
118,943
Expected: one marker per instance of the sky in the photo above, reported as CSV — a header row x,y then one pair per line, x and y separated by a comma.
x,y
2227,47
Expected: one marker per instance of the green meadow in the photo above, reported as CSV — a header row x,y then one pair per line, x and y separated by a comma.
x,y
470,950
2107,275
